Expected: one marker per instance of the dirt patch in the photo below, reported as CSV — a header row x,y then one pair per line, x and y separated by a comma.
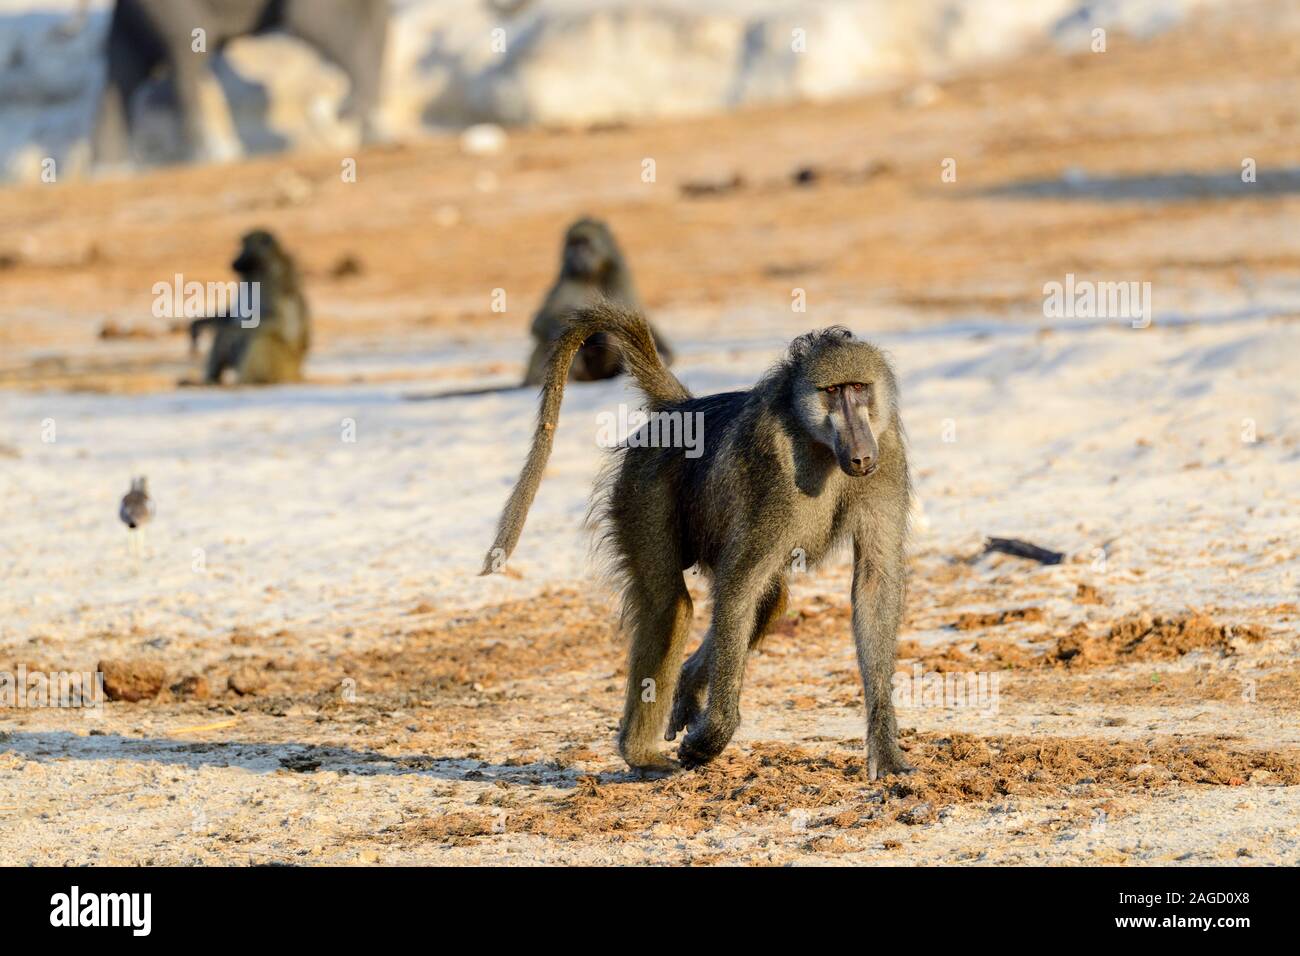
x,y
1087,594
1143,638
1147,638
973,621
1276,691
832,790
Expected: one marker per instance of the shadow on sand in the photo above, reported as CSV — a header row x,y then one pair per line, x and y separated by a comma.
x,y
1152,187
272,756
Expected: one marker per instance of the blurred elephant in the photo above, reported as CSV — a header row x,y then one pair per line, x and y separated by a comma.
x,y
144,35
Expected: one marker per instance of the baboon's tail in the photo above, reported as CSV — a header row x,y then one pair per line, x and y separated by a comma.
x,y
632,334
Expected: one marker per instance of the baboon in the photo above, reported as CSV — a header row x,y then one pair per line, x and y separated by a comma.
x,y
144,35
592,269
271,351
811,456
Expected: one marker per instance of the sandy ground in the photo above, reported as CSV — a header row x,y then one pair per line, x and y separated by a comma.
x,y
359,696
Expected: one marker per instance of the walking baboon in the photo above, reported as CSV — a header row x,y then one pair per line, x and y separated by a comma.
x,y
812,455
592,269
271,350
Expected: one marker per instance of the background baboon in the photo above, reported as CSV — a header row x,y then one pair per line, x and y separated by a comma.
x,y
273,350
812,455
145,34
592,269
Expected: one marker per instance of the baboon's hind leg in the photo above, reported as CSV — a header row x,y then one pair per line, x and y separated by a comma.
x,y
688,702
658,611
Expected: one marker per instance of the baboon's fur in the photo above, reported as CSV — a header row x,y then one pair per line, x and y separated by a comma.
x,y
796,462
271,352
592,269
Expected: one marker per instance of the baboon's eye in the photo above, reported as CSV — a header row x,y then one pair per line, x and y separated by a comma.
x,y
858,386
831,389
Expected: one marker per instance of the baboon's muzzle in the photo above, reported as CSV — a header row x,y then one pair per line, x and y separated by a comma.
x,y
856,447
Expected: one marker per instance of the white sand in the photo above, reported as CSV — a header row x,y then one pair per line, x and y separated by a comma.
x,y
1099,437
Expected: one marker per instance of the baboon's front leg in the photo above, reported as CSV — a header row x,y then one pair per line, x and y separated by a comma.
x,y
877,615
688,702
661,620
737,596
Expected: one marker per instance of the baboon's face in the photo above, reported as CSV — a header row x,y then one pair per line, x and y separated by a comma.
x,y
843,397
259,254
588,251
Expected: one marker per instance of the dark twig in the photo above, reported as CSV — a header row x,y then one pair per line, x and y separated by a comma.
x,y
1023,549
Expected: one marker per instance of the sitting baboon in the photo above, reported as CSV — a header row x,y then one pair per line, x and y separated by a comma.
x,y
592,269
146,34
812,455
272,347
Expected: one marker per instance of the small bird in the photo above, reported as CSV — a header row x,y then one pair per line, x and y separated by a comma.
x,y
135,512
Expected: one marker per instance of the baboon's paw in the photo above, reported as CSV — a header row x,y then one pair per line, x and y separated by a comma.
x,y
642,755
703,744
658,771
686,714
890,763
692,757
652,765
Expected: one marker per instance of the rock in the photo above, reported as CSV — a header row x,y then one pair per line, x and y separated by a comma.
x,y
483,139
806,175
695,188
246,680
346,266
194,687
917,815
299,763
1148,771
132,680
920,96
291,188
